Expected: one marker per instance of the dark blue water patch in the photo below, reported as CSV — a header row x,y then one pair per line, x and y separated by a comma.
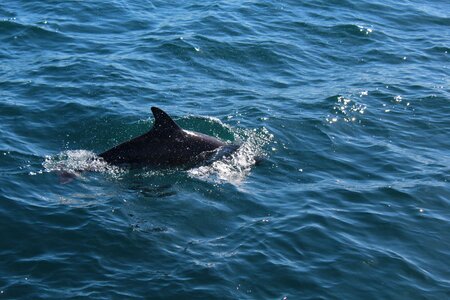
x,y
30,37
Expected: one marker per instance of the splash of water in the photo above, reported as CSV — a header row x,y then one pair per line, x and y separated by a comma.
x,y
236,167
74,162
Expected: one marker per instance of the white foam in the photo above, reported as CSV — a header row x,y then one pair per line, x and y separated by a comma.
x,y
76,161
235,168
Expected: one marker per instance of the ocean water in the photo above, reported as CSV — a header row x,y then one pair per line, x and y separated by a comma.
x,y
340,189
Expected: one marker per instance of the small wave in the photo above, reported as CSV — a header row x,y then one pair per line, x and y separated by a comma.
x,y
352,29
236,167
40,31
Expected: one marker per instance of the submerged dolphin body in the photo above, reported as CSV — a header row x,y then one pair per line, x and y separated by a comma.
x,y
167,145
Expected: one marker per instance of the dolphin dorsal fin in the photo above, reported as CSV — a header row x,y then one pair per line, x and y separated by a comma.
x,y
163,122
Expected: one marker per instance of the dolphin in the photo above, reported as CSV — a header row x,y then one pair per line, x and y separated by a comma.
x,y
167,145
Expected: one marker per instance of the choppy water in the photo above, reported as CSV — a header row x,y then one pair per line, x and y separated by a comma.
x,y
348,103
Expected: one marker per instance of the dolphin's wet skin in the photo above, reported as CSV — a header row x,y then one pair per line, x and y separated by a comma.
x,y
168,149
168,145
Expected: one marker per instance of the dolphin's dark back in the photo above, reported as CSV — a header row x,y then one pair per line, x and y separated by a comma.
x,y
166,144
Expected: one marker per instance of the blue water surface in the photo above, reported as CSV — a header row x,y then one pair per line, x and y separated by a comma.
x,y
340,189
